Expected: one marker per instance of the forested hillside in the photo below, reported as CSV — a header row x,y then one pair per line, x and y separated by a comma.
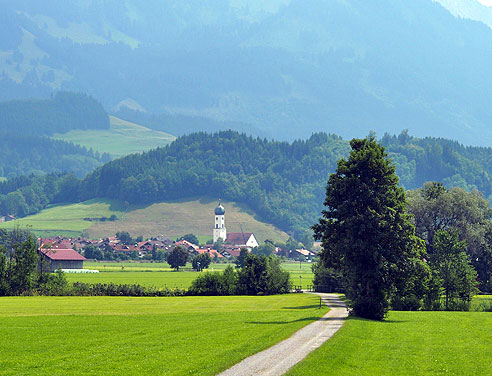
x,y
29,194
25,125
283,182
64,112
25,154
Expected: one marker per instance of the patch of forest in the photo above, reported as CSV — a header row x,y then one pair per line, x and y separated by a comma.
x,y
63,112
283,182
26,154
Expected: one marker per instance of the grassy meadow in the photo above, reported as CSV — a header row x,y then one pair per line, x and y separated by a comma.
x,y
68,220
135,336
172,219
407,343
161,275
122,138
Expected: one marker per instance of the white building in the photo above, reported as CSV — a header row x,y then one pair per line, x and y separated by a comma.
x,y
220,229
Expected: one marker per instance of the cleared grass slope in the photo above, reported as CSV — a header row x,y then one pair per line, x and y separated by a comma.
x,y
171,219
121,139
68,220
188,216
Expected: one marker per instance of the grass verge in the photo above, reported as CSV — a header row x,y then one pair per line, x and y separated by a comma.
x,y
407,343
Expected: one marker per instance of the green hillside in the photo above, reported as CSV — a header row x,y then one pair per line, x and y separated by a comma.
x,y
121,139
68,220
171,219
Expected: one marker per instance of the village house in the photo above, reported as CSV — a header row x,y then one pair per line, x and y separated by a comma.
x,y
242,239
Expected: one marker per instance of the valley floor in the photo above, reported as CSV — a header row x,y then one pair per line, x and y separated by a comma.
x,y
135,336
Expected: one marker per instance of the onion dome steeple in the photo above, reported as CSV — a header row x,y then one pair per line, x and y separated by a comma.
x,y
219,210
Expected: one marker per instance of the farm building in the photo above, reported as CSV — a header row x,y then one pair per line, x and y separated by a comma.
x,y
54,259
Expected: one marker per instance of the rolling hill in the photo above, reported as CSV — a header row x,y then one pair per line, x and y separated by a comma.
x,y
171,219
122,138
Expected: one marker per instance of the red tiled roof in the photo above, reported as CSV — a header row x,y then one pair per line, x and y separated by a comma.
x,y
212,252
238,237
63,254
186,243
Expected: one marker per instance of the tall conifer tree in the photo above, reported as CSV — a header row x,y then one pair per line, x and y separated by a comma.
x,y
365,231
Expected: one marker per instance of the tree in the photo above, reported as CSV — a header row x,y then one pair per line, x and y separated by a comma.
x,y
262,275
190,238
177,257
292,244
435,208
92,252
265,249
159,255
215,283
307,239
365,232
201,261
453,268
18,262
242,256
218,244
326,279
125,237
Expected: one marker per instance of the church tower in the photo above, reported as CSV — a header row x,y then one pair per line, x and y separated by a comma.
x,y
219,229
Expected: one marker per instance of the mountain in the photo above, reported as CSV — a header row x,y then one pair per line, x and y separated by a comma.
x,y
285,67
471,9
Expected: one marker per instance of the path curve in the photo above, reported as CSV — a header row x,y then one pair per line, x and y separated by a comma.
x,y
279,358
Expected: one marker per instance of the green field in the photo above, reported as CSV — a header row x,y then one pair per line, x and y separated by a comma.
x,y
121,139
408,343
161,275
141,336
171,219
68,220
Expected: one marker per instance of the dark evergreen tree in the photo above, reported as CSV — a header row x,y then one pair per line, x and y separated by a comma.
x,y
365,231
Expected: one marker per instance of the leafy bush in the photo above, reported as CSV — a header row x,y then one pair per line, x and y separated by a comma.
x,y
262,275
215,283
326,279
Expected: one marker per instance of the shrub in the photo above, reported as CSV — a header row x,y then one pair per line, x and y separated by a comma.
x,y
215,283
262,275
326,279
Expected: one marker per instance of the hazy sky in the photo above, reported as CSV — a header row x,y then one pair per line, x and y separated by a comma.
x,y
487,3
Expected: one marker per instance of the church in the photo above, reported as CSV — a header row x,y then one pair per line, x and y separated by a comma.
x,y
237,239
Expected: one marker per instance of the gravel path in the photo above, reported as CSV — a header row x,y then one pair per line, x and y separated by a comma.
x,y
278,359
